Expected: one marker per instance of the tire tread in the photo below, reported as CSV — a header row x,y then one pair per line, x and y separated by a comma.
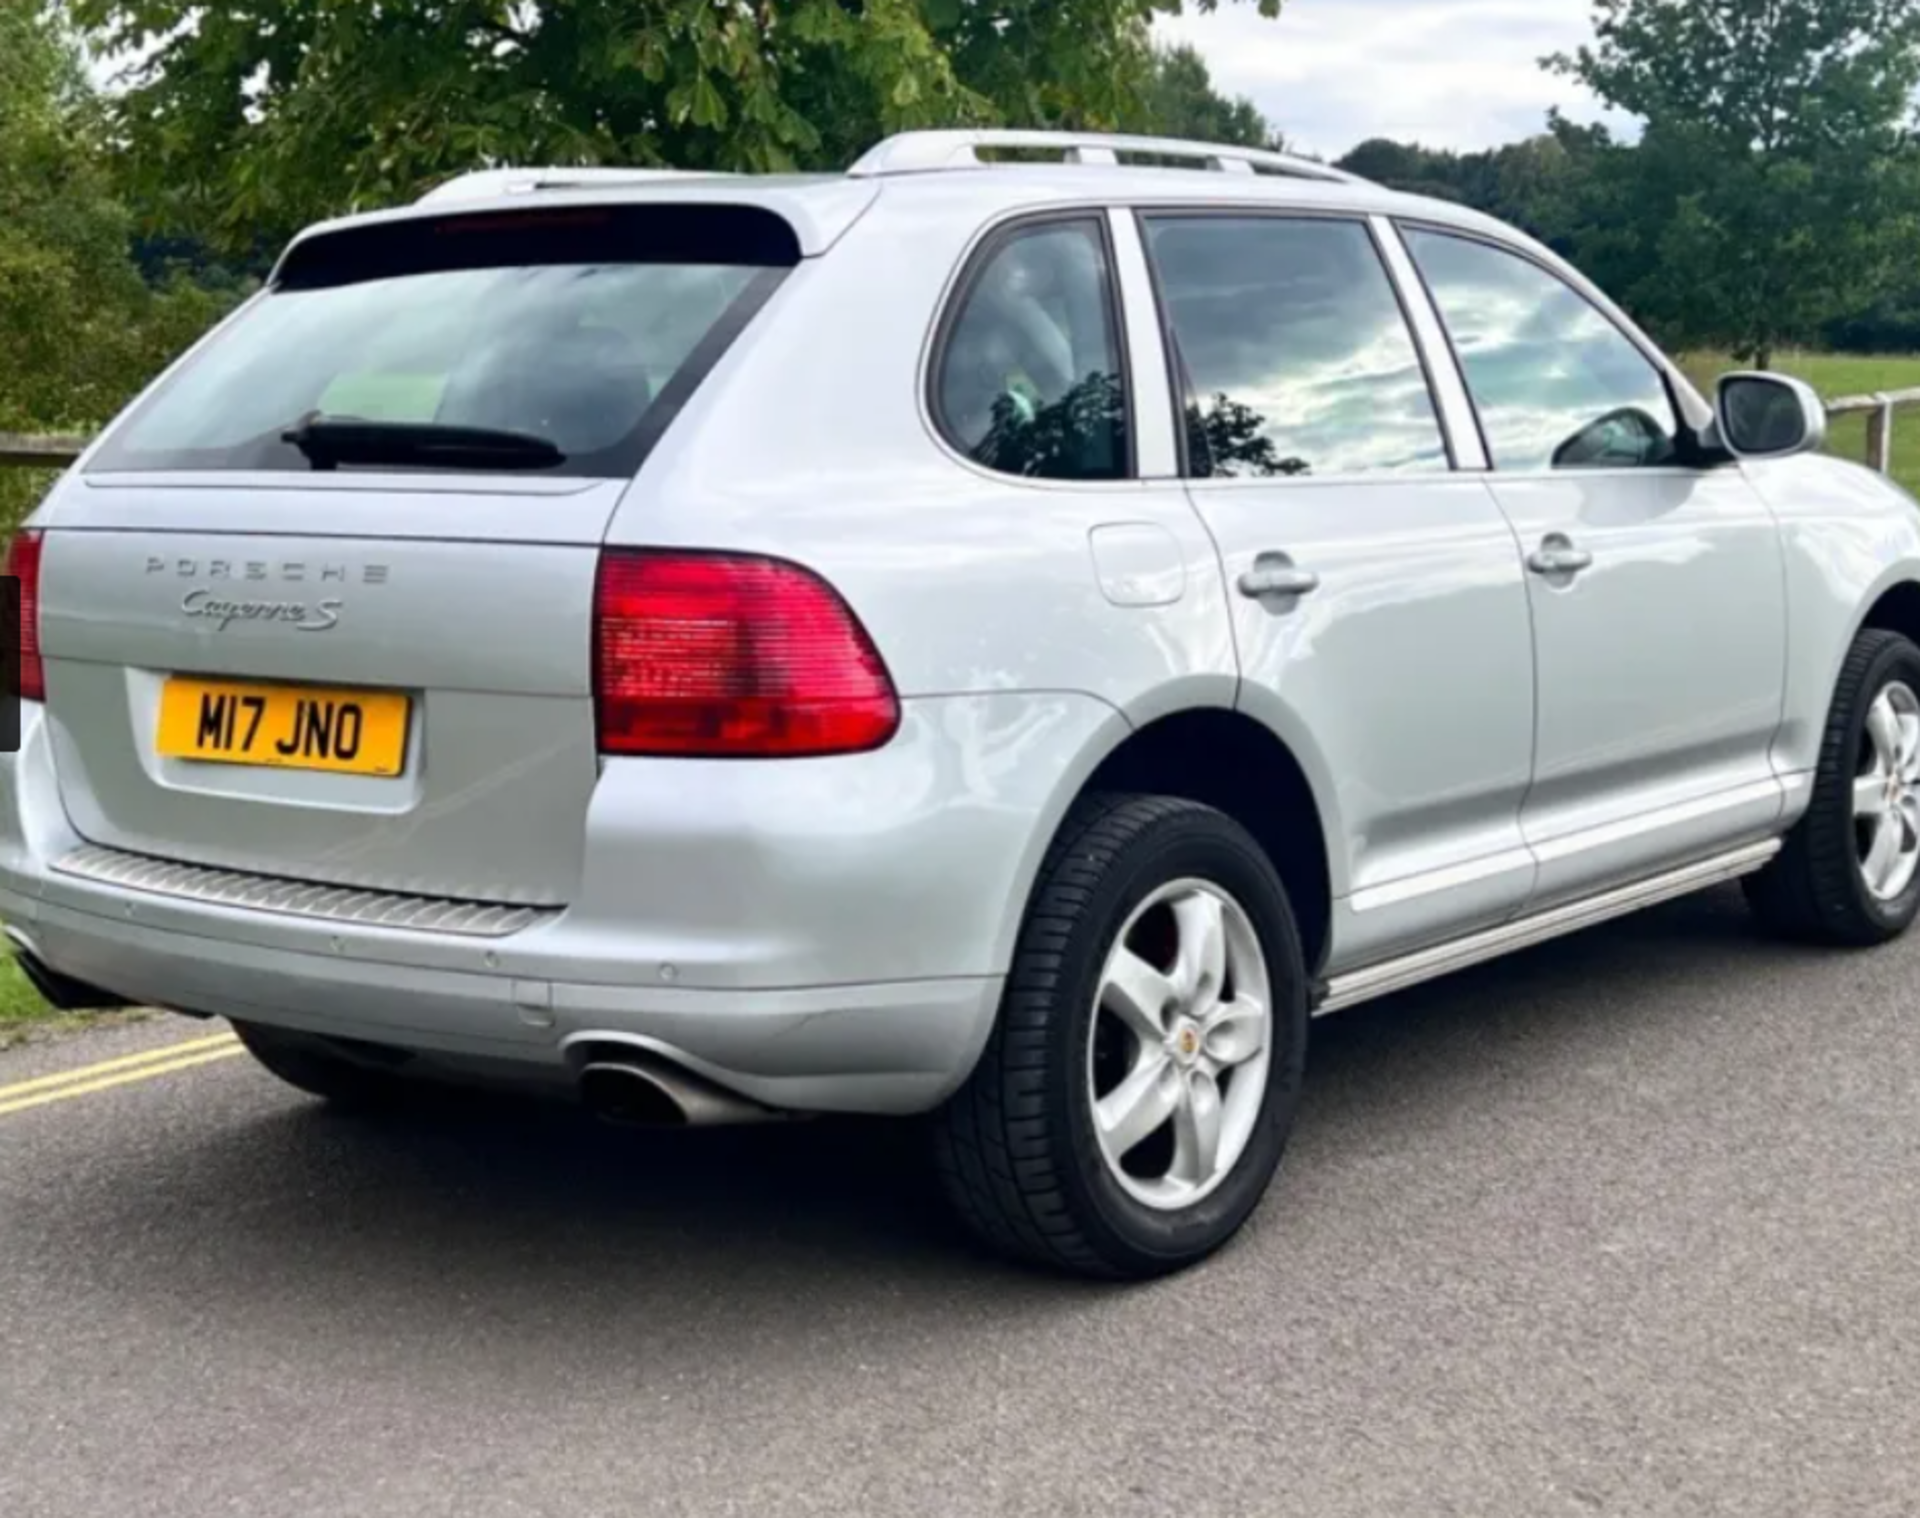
x,y
1807,891
998,1153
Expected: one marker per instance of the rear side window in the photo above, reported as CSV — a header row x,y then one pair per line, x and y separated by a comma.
x,y
1029,379
586,337
1298,359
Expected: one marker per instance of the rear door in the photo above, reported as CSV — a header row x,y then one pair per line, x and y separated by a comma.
x,y
1380,608
295,625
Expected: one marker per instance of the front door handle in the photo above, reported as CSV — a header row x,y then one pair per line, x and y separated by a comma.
x,y
1274,574
1557,557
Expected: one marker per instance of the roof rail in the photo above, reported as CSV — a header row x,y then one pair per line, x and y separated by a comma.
x,y
927,152
485,183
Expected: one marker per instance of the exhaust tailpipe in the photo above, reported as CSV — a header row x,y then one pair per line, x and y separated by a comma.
x,y
637,1090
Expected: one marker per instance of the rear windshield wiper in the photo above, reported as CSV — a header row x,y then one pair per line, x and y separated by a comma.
x,y
329,441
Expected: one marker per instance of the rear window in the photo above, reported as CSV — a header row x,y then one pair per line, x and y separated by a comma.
x,y
585,329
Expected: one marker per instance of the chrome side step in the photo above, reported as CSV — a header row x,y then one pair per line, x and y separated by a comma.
x,y
1375,981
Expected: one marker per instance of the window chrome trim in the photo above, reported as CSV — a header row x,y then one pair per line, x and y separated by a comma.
x,y
1348,480
1155,409
1446,378
981,249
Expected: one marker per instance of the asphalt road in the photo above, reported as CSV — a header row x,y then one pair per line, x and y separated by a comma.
x,y
1628,1225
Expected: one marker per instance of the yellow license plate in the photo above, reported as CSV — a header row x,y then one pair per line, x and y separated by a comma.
x,y
284,726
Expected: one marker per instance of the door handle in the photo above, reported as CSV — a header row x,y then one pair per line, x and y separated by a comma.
x,y
1557,556
1274,574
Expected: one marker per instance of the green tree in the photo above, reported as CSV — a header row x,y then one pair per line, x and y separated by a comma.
x,y
64,274
1409,167
1774,187
243,119
1178,99
1528,183
79,328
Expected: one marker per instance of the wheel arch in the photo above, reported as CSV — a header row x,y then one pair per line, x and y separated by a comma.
x,y
1227,759
1892,605
1897,610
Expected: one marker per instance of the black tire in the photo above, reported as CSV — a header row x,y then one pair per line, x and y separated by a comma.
x,y
307,1063
1016,1146
1814,890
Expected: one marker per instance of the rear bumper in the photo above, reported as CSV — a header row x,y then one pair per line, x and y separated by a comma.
x,y
822,936
895,1047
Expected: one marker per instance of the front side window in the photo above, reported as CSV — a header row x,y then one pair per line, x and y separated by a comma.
x,y
1298,357
1029,380
1557,385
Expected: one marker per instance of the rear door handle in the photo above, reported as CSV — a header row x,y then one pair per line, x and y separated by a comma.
x,y
1274,574
1556,556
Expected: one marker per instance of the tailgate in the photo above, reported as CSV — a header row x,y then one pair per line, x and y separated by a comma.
x,y
405,715
319,605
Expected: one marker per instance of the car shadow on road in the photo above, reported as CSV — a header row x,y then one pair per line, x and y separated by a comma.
x,y
526,1215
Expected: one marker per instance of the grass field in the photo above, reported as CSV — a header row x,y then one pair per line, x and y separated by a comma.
x,y
1835,375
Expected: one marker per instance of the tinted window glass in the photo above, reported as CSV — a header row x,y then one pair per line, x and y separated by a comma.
x,y
1030,380
576,354
1557,385
1298,357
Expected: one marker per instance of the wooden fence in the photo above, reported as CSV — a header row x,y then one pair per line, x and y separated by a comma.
x,y
1879,411
21,452
17,452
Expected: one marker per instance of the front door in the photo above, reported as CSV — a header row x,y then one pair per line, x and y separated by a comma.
x,y
1657,589
1379,603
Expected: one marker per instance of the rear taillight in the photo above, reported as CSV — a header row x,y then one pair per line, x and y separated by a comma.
x,y
723,656
23,563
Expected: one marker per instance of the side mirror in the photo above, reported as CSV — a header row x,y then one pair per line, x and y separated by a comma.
x,y
1769,416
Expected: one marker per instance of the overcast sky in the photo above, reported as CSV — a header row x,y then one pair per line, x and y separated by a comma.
x,y
1447,73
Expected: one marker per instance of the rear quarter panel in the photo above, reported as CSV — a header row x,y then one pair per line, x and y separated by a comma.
x,y
810,442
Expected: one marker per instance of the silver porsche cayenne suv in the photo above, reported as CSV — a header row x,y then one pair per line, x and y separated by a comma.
x,y
1003,636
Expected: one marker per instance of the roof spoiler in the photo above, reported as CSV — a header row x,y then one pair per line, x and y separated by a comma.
x,y
485,184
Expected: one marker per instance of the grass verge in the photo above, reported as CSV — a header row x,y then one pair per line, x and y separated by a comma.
x,y
24,1013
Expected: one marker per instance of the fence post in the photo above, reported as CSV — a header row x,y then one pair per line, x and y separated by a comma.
x,y
1880,435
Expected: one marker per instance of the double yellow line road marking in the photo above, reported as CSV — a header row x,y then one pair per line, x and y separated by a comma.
x,y
123,1071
